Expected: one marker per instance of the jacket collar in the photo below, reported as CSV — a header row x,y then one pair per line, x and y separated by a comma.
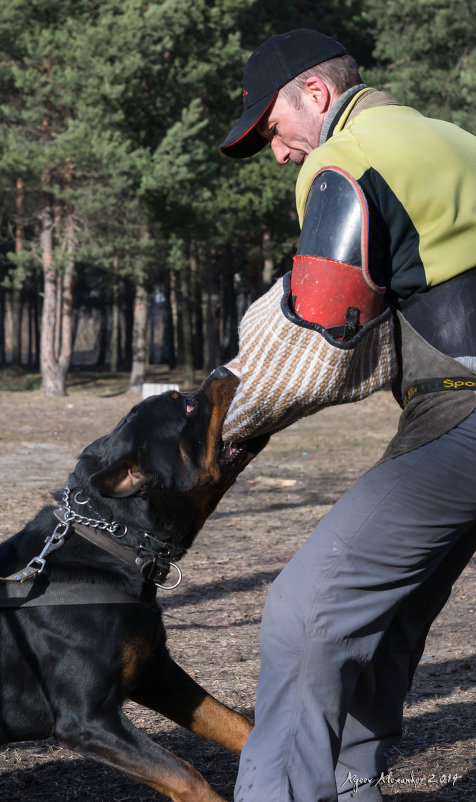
x,y
337,109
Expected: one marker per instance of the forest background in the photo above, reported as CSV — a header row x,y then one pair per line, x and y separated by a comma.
x,y
126,238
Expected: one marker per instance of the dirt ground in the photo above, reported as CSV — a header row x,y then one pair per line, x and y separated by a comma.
x,y
213,618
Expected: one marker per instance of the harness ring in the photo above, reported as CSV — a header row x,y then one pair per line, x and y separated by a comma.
x,y
76,499
177,583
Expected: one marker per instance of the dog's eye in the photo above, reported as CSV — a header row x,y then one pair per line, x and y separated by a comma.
x,y
189,405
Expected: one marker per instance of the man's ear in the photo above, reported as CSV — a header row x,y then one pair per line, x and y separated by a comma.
x,y
118,481
320,92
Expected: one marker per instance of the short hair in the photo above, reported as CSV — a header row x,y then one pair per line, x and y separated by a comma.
x,y
342,72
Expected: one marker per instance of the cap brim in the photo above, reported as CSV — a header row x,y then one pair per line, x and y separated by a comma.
x,y
243,139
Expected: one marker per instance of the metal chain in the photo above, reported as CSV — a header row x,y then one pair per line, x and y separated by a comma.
x,y
56,540
95,523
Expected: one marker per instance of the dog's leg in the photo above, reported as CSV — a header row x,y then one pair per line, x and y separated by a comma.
x,y
115,742
167,688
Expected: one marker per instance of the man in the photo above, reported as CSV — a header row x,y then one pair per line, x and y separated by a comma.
x,y
345,622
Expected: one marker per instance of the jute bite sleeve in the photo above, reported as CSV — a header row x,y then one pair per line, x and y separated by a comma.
x,y
289,368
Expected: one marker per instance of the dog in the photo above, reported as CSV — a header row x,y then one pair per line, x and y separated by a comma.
x,y
80,626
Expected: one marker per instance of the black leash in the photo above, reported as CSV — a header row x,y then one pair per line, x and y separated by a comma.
x,y
40,592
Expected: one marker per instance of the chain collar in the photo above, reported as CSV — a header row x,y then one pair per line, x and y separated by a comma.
x,y
153,560
113,528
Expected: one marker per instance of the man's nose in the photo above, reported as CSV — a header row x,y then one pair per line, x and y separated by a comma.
x,y
280,150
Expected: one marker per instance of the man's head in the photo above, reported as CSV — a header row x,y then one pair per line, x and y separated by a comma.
x,y
290,82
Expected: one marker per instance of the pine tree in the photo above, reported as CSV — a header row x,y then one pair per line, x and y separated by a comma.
x,y
426,55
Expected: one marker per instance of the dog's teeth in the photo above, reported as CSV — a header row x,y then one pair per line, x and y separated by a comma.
x,y
230,452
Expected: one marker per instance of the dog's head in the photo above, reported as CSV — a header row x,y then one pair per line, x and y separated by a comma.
x,y
164,467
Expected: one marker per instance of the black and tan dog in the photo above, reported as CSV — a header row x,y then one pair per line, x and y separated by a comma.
x,y
82,631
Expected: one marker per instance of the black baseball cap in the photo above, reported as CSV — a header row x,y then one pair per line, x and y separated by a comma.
x,y
274,63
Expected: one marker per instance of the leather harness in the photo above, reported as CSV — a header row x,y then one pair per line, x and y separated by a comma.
x,y
153,559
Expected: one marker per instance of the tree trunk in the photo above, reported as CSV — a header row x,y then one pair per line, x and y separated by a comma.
x,y
16,317
198,334
2,326
31,330
187,295
16,293
56,326
230,317
139,338
52,383
114,346
102,336
168,345
152,327
176,303
127,323
66,350
212,317
37,321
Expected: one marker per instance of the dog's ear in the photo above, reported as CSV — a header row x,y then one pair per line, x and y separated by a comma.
x,y
118,481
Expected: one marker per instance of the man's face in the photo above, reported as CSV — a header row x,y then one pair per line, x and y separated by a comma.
x,y
292,133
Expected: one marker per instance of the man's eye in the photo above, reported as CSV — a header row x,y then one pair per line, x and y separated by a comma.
x,y
189,405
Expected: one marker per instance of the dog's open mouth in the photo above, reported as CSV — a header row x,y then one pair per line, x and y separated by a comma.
x,y
234,455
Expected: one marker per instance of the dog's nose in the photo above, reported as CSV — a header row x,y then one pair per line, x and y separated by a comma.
x,y
221,383
220,372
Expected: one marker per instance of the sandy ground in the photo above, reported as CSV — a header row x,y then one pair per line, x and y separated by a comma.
x,y
213,618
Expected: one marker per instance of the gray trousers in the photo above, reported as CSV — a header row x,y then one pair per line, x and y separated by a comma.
x,y
345,623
